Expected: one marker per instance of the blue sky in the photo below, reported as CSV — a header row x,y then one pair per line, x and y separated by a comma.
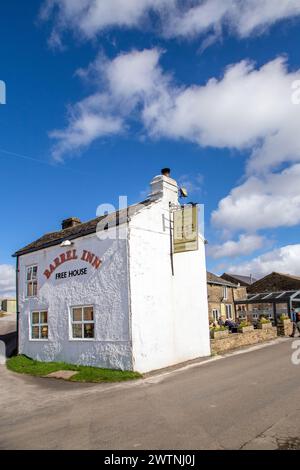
x,y
102,94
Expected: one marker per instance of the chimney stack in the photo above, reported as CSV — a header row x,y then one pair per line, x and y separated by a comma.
x,y
70,222
164,187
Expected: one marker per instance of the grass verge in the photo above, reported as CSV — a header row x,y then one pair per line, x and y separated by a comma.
x,y
25,365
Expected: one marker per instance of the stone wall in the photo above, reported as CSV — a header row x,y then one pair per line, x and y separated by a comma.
x,y
285,328
237,340
240,293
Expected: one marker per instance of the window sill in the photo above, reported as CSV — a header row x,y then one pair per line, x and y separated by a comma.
x,y
82,339
39,340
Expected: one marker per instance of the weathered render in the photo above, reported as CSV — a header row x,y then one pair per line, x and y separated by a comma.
x,y
146,315
106,289
169,312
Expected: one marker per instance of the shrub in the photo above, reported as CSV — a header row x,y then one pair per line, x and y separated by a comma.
x,y
284,317
244,324
219,328
264,320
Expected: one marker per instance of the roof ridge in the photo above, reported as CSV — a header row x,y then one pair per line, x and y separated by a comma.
x,y
79,230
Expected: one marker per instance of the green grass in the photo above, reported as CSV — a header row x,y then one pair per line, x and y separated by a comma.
x,y
25,365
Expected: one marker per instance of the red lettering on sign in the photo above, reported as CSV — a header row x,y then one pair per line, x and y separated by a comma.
x,y
71,255
96,263
47,273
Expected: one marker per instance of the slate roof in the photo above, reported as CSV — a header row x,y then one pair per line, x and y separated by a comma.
x,y
275,282
290,276
271,297
213,279
82,229
238,278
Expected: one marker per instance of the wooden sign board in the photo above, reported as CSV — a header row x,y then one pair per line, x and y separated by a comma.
x,y
186,230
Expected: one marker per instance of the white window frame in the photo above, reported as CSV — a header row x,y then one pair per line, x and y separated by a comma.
x,y
39,324
225,292
228,307
31,280
71,322
216,314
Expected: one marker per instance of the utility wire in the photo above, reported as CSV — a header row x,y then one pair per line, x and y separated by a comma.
x,y
44,162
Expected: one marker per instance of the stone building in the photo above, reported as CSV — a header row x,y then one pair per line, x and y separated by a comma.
x,y
112,293
275,282
244,281
221,295
8,305
261,290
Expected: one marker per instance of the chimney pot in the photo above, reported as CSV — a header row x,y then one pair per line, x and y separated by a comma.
x,y
70,222
166,172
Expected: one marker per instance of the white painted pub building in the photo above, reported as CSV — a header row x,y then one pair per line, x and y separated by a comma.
x,y
113,292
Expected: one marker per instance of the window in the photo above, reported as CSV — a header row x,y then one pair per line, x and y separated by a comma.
x,y
216,314
39,325
228,311
225,293
31,281
82,319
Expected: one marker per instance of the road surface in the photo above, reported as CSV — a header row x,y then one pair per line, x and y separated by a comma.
x,y
242,401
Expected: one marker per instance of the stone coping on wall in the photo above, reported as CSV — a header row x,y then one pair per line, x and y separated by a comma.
x,y
238,340
285,328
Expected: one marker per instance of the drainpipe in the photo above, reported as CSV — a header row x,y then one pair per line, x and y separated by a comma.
x,y
289,308
17,301
275,313
234,306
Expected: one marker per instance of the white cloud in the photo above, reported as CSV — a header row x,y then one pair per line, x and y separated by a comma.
x,y
248,108
260,14
262,202
285,259
245,245
198,19
91,17
127,85
87,122
7,280
243,18
176,18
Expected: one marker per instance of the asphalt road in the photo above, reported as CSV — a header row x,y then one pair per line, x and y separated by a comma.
x,y
244,401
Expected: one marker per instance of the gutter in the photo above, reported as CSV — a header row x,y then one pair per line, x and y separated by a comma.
x,y
129,293
215,283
